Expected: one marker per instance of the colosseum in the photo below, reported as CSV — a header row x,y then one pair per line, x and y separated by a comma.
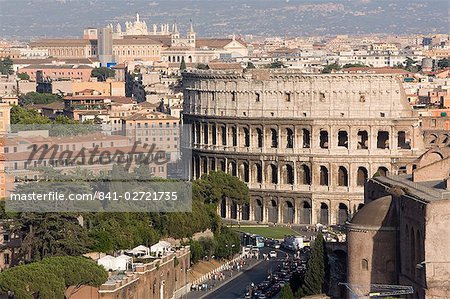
x,y
305,144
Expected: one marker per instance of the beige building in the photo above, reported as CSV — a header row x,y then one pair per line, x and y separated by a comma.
x,y
304,144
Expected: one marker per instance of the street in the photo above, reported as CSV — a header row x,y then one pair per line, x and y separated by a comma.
x,y
236,288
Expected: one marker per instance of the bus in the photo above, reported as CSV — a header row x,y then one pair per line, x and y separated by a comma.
x,y
252,240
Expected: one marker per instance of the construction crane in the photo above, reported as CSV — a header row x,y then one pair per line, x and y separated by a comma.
x,y
377,290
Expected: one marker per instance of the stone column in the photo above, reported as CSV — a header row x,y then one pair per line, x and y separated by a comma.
x,y
280,206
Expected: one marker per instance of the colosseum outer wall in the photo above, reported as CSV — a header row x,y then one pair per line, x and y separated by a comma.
x,y
305,144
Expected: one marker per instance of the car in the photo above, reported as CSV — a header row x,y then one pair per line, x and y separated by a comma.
x,y
262,296
276,246
273,254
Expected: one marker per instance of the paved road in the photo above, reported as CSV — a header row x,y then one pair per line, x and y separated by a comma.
x,y
236,288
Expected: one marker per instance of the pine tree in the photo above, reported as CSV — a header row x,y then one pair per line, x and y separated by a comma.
x,y
182,64
316,270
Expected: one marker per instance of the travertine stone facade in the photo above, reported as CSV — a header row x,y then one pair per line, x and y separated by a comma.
x,y
305,144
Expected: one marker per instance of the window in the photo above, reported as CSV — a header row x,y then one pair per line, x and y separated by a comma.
x,y
287,96
323,139
383,140
343,139
362,140
342,176
364,264
323,176
257,97
402,143
361,176
260,137
274,135
289,138
306,138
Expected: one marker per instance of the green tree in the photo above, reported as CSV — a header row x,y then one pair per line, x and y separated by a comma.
x,y
250,65
276,65
6,66
51,277
202,66
39,98
23,76
102,73
286,292
443,63
50,234
349,65
197,252
23,116
330,67
182,64
315,277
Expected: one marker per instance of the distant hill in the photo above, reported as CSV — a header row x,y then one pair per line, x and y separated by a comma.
x,y
62,18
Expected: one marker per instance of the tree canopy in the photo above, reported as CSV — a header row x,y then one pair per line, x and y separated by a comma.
x,y
443,63
23,76
202,66
276,65
50,277
39,98
6,66
102,73
330,67
23,116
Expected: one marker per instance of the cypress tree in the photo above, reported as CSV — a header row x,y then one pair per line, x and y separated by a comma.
x,y
316,270
286,292
182,64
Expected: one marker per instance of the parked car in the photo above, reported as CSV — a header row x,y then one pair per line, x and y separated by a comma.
x,y
273,254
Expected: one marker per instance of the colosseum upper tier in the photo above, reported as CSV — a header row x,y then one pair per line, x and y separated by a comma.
x,y
304,143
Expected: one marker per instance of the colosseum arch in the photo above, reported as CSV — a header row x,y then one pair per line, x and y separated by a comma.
x,y
246,136
289,138
232,168
342,176
383,139
245,212
259,137
288,212
342,213
273,138
363,139
213,134
361,176
306,137
272,210
432,139
257,173
287,174
304,175
305,212
382,171
324,176
343,138
258,210
272,173
323,138
324,214
234,136
244,172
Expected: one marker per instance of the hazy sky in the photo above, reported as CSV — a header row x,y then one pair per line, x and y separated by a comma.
x,y
62,18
